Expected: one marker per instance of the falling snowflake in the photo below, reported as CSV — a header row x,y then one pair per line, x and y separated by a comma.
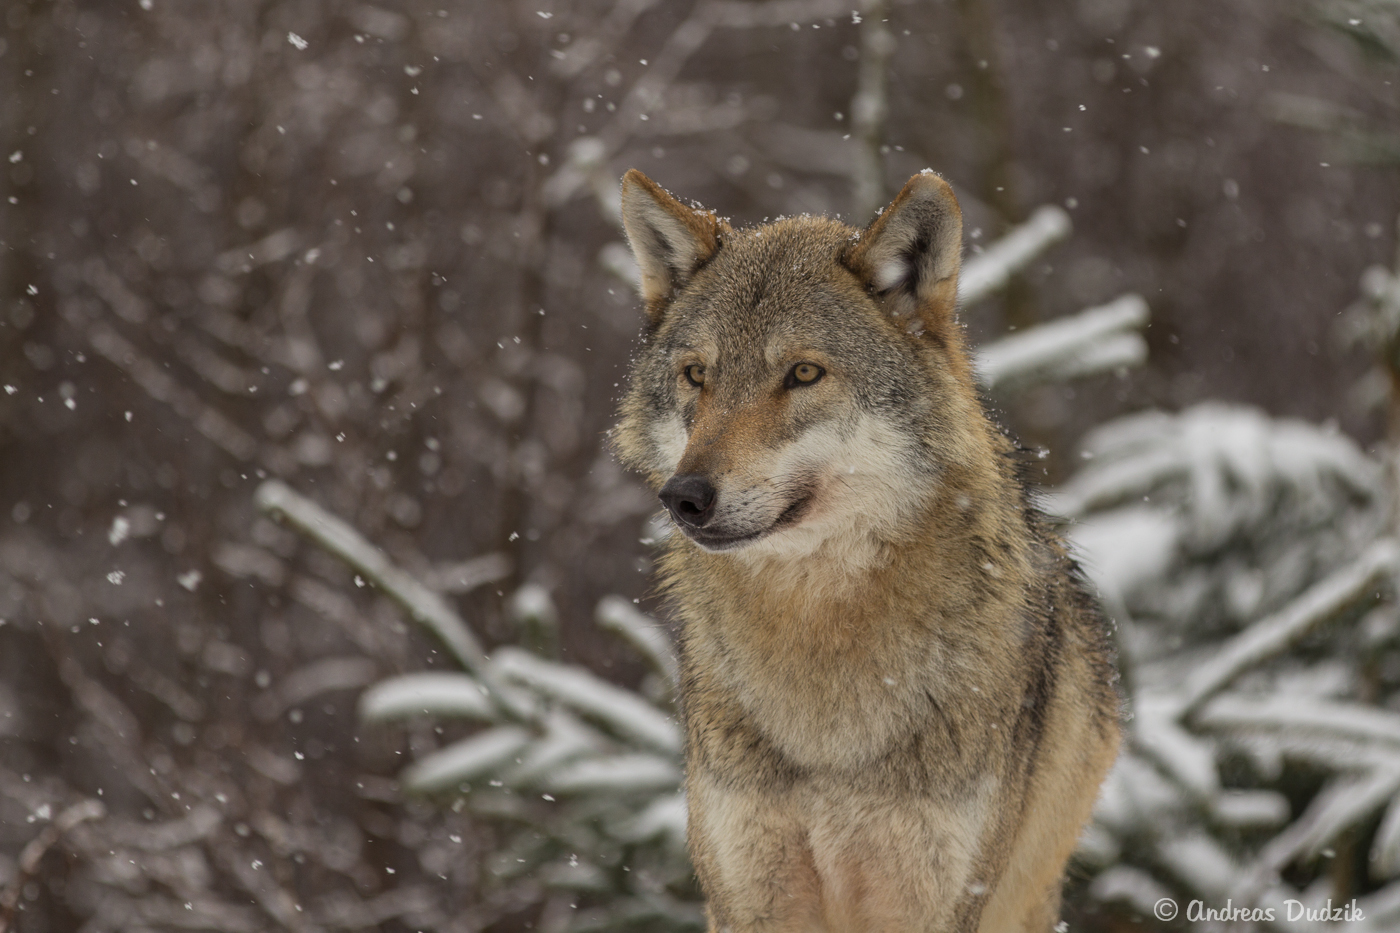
x,y
120,530
297,41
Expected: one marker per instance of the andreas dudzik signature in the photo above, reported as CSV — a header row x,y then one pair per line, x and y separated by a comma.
x,y
1291,911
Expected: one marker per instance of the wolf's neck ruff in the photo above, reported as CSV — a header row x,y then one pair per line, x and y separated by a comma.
x,y
898,698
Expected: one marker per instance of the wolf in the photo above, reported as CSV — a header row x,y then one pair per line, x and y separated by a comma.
x,y
897,691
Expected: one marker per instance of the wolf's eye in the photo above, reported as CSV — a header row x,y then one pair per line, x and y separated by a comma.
x,y
803,374
695,374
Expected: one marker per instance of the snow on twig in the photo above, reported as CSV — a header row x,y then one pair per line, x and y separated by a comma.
x,y
1184,756
1201,862
1344,804
424,605
1277,633
1092,341
565,739
1235,462
467,575
620,710
664,816
1135,887
990,270
323,676
429,693
1345,801
484,753
1365,725
646,637
620,774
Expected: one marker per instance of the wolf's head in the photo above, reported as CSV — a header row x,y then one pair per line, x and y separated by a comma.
x,y
801,381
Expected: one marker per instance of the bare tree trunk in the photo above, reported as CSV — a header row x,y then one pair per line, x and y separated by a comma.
x,y
870,108
22,129
991,114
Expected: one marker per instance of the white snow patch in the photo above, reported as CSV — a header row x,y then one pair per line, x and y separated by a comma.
x,y
1127,548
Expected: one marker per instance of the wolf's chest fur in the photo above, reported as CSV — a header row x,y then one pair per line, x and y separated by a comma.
x,y
898,698
839,675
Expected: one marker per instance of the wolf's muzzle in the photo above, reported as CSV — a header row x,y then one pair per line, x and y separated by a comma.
x,y
690,498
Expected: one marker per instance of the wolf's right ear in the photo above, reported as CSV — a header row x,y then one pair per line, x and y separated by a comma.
x,y
669,240
911,253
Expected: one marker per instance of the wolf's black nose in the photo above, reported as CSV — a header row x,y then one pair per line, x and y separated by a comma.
x,y
690,497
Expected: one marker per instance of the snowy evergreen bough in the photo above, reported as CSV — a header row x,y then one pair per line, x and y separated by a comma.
x,y
582,776
1250,564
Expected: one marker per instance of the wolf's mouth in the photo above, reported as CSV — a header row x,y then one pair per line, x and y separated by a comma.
x,y
715,542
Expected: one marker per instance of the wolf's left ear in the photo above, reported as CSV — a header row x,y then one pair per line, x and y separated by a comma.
x,y
669,240
910,254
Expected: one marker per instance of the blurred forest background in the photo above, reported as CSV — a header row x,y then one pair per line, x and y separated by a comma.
x,y
371,250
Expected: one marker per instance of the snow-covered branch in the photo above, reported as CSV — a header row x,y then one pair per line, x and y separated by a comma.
x,y
1346,801
1277,633
426,607
1092,341
623,712
991,269
430,693
482,754
1368,727
646,637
